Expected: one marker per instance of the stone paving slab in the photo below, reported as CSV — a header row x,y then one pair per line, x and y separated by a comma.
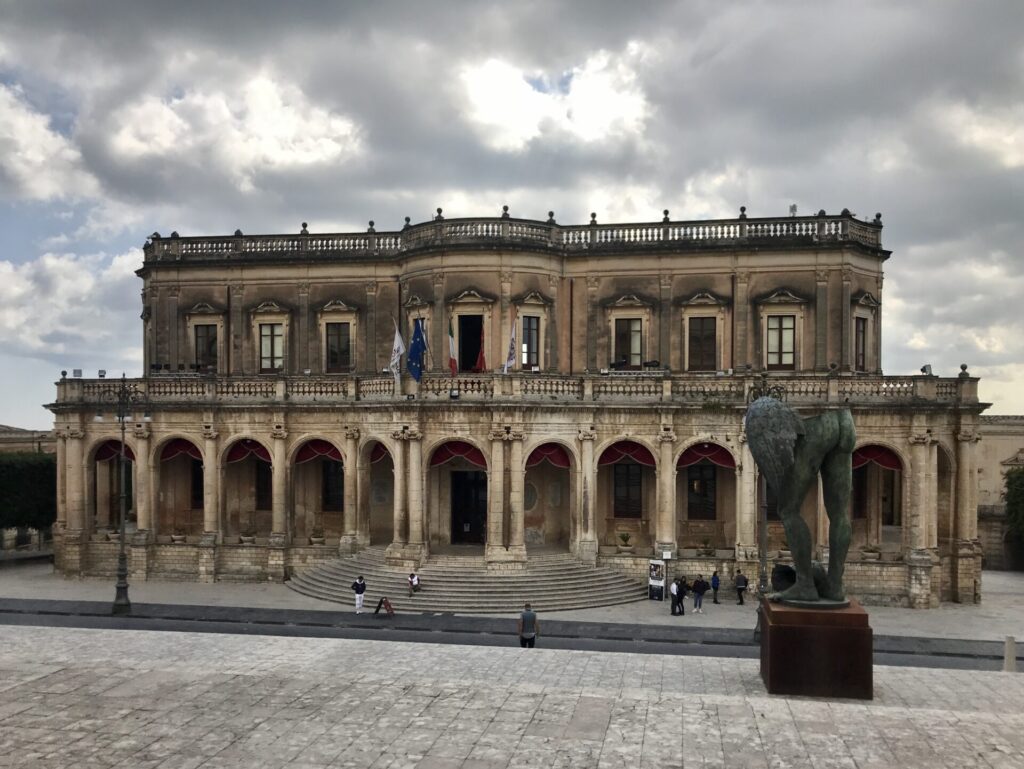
x,y
98,698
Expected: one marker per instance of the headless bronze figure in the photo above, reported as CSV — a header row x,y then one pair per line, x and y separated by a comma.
x,y
791,451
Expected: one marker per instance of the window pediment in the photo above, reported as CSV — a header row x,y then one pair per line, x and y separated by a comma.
x,y
1017,460
338,306
532,297
629,300
782,296
270,307
703,299
416,302
865,299
470,296
205,308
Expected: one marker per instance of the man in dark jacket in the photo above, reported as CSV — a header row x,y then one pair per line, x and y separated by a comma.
x,y
741,586
359,587
700,587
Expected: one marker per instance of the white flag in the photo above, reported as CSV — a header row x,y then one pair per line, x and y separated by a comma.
x,y
397,349
510,359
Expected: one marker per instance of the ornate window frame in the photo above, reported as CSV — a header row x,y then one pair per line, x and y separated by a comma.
x,y
628,307
337,311
537,305
205,314
783,302
705,304
271,312
417,307
471,302
864,305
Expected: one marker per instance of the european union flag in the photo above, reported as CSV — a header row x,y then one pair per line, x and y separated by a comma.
x,y
417,350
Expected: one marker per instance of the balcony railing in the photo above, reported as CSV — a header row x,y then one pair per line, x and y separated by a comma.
x,y
634,388
546,235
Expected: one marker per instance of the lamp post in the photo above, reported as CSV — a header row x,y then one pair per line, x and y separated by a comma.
x,y
127,397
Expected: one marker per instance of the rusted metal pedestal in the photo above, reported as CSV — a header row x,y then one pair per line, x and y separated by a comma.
x,y
816,652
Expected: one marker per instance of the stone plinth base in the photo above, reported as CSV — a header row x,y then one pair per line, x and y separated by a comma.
x,y
816,652
587,552
404,555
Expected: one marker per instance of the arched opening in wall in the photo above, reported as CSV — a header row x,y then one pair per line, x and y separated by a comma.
x,y
104,512
626,494
248,492
546,498
378,491
179,511
318,493
706,497
945,509
458,494
876,501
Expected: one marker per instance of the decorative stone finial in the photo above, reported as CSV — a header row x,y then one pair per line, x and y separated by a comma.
x,y
175,234
551,217
963,371
664,216
743,212
304,230
407,224
845,212
821,212
593,218
438,217
878,219
155,236
63,374
370,228
504,212
238,233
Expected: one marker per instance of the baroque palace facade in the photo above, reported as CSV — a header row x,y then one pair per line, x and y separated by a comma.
x,y
269,434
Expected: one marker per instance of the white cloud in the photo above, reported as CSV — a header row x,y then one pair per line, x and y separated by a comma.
x,y
36,162
997,132
602,99
268,125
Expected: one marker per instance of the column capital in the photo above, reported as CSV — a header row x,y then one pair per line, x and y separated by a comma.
x,y
279,433
352,433
587,435
141,432
75,433
821,276
407,435
209,433
967,436
920,439
666,437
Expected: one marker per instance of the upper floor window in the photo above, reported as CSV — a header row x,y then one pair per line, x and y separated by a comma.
x,y
531,341
860,344
702,342
338,348
781,350
627,490
629,347
206,346
271,347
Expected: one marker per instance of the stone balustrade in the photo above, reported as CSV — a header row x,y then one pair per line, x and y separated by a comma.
x,y
546,235
695,390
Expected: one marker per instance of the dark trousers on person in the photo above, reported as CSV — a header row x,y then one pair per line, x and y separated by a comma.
x,y
677,605
527,643
714,596
739,595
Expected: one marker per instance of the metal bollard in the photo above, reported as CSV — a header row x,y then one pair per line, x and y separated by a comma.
x,y
1010,655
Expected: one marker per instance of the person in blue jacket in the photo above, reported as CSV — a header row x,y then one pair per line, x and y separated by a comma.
x,y
715,584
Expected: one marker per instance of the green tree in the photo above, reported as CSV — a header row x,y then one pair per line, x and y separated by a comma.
x,y
1014,496
28,490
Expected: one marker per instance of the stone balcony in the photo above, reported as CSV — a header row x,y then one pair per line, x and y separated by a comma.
x,y
654,389
524,233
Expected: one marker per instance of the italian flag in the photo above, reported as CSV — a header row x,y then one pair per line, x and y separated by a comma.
x,y
453,361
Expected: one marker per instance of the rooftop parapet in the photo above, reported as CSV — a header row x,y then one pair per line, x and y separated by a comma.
x,y
505,230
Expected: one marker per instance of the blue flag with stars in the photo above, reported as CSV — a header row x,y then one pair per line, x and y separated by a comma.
x,y
417,350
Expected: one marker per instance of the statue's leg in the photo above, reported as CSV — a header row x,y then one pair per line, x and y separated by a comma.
x,y
837,485
798,535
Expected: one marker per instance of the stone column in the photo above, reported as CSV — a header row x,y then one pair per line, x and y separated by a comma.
x,y
369,351
173,321
588,492
821,316
143,477
506,317
550,342
62,479
237,332
965,574
495,548
846,313
211,485
303,360
665,321
592,328
741,310
74,538
103,481
279,497
439,327
746,504
398,532
665,533
916,538
416,527
516,494
351,495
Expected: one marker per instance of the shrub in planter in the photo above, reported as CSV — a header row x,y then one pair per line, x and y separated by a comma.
x,y
28,490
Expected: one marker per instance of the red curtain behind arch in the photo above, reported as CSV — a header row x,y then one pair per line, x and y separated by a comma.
x,y
112,449
880,455
245,448
453,449
310,450
180,446
626,451
378,452
717,455
549,452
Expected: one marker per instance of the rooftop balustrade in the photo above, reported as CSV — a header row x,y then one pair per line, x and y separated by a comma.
x,y
506,230
633,388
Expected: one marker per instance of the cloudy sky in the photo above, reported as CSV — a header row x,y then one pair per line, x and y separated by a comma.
x,y
121,118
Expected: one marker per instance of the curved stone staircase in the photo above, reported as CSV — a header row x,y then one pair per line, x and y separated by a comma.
x,y
464,585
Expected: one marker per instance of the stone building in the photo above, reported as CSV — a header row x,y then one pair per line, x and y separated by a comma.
x,y
272,435
1001,448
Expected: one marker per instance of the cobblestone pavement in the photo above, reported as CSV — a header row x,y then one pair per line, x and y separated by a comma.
x,y
96,698
1000,614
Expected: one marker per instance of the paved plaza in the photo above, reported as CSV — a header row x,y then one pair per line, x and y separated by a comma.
x,y
103,698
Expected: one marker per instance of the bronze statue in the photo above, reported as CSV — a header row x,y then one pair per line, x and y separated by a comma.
x,y
791,451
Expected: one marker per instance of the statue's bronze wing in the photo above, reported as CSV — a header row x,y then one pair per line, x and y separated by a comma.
x,y
772,432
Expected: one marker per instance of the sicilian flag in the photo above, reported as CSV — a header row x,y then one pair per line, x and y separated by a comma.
x,y
397,349
510,359
453,360
417,350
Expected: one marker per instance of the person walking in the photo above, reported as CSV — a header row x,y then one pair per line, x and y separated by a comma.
x,y
741,586
359,588
683,590
715,584
528,627
700,587
673,590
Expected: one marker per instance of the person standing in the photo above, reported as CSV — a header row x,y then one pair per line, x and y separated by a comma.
x,y
715,584
741,586
528,627
673,590
359,588
683,590
700,587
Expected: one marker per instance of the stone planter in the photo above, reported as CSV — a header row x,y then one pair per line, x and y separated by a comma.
x,y
871,555
627,549
317,540
178,539
247,539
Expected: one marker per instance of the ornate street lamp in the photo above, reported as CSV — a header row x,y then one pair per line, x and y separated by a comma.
x,y
128,398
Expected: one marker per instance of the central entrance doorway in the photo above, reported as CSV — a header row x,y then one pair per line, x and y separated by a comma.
x,y
469,506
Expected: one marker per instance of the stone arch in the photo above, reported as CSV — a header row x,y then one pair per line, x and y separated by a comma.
x,y
458,489
879,496
246,490
375,489
316,511
103,493
626,491
300,441
179,470
944,536
550,512
706,493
